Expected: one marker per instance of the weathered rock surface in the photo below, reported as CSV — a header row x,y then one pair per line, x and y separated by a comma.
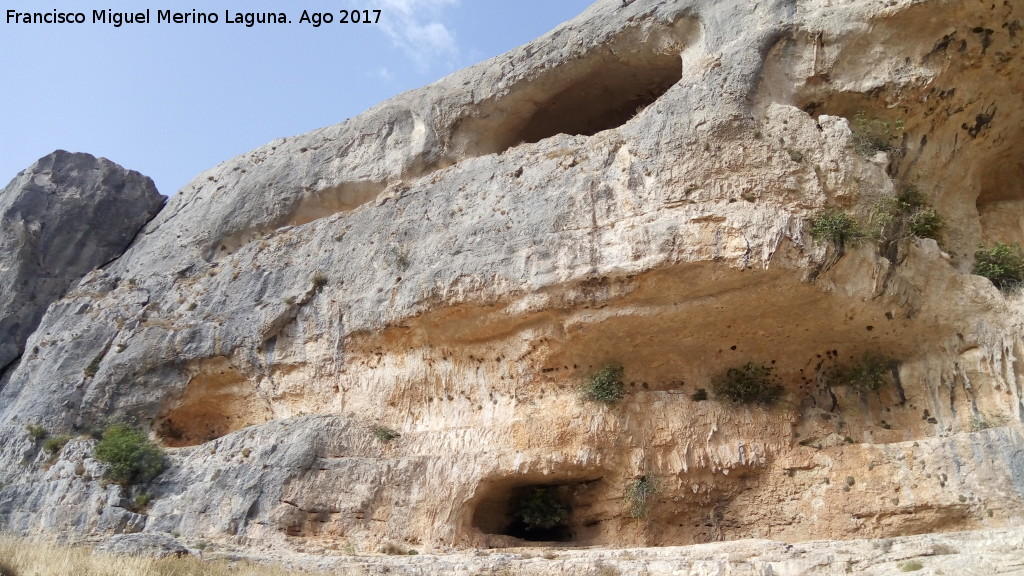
x,y
980,553
60,218
635,188
154,545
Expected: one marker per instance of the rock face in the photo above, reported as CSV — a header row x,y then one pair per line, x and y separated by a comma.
x,y
59,219
635,188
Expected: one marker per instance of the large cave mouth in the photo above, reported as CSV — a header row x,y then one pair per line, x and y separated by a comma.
x,y
598,91
530,511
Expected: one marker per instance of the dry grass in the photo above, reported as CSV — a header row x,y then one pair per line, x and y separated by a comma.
x,y
22,557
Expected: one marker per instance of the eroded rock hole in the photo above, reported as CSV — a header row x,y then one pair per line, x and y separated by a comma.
x,y
1001,199
217,401
600,91
604,97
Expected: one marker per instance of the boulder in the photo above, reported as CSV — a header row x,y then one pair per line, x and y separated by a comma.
x,y
60,218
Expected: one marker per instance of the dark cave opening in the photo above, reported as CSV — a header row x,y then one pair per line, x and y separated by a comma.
x,y
532,511
606,96
599,91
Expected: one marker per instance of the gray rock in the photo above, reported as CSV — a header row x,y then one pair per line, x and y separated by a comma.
x,y
60,218
453,262
155,545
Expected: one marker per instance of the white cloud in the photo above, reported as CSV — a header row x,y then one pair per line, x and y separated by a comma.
x,y
413,26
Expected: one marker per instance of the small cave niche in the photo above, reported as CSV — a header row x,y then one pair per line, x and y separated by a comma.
x,y
1000,200
504,507
599,91
217,401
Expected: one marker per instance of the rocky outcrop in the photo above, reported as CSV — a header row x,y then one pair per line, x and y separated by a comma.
x,y
153,545
59,219
374,334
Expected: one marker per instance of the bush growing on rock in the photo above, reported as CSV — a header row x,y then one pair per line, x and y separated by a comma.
x,y
836,227
36,432
1003,264
872,135
539,508
605,386
866,374
385,434
130,457
55,444
906,214
638,496
749,384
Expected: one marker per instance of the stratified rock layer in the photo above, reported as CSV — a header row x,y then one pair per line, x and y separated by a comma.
x,y
633,188
59,219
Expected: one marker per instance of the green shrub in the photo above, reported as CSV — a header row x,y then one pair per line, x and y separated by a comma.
x,y
911,566
385,434
1003,264
141,501
36,432
836,227
94,365
872,135
605,385
55,444
866,374
700,395
908,213
319,281
925,223
638,496
539,508
749,384
130,457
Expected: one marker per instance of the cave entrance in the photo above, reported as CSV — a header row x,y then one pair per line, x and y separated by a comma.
x,y
535,512
600,90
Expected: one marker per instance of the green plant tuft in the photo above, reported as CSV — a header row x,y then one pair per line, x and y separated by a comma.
x,y
130,457
836,227
873,135
866,374
906,214
385,434
94,365
749,384
539,508
55,444
36,432
1003,264
700,395
141,501
319,281
911,566
638,496
605,386
925,223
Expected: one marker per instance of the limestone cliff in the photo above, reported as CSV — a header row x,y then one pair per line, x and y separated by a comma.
x,y
633,188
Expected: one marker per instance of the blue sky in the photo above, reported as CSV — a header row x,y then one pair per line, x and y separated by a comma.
x,y
171,100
